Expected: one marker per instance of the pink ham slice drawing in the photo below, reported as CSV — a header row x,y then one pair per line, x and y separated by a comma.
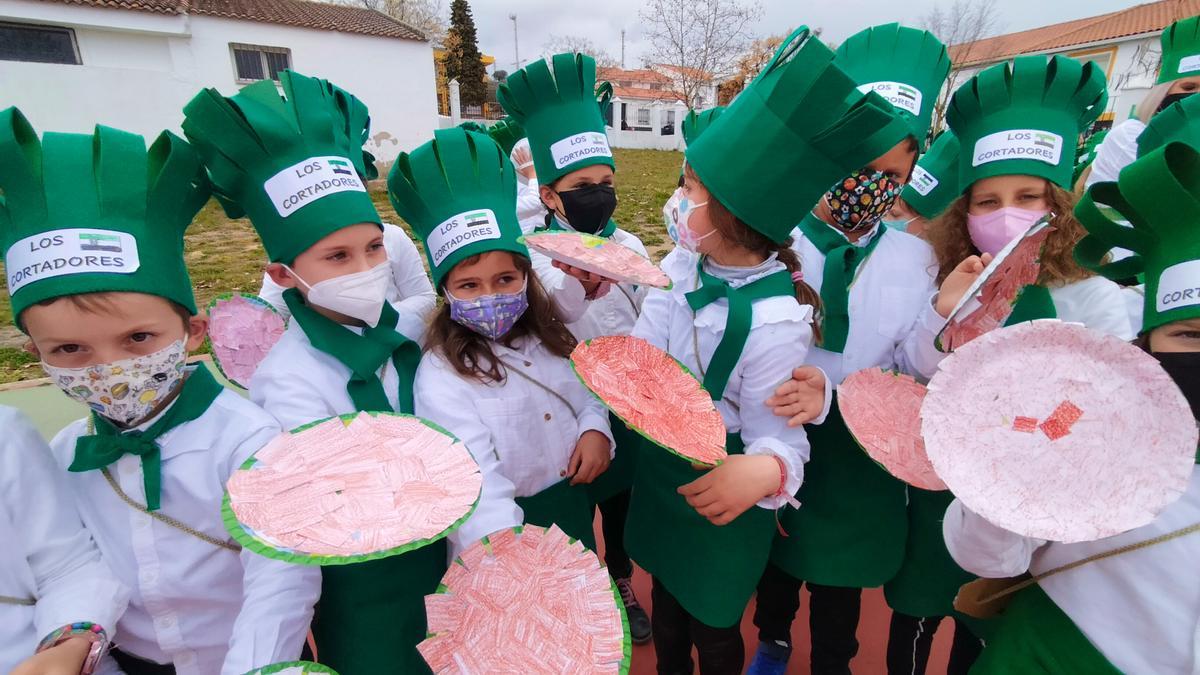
x,y
600,256
241,331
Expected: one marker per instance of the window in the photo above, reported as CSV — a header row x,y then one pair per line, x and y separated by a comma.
x,y
38,44
643,117
671,117
1103,58
252,63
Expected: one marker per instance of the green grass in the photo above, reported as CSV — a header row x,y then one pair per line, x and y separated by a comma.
x,y
224,255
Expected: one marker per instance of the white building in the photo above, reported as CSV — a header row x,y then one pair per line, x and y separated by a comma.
x,y
134,64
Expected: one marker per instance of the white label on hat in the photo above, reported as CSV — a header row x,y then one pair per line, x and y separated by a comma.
x,y
922,181
1189,64
74,251
462,230
578,147
898,94
1018,144
305,182
1179,286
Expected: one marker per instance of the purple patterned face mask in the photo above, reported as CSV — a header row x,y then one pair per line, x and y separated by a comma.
x,y
491,316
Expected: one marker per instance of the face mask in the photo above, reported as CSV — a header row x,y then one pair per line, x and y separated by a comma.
x,y
1184,368
991,232
492,316
671,214
360,295
688,239
1170,99
124,391
589,208
901,225
860,200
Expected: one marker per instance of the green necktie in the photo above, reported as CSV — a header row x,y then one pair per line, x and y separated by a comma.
x,y
737,324
363,354
108,443
841,262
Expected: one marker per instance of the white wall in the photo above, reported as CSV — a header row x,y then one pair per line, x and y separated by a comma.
x,y
140,69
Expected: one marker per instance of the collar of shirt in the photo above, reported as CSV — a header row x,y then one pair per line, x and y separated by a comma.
x,y
862,241
740,276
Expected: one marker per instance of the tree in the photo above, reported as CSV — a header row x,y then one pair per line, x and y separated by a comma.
x,y
960,26
559,44
701,39
463,60
749,65
424,15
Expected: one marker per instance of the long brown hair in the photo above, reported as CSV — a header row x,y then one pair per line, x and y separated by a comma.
x,y
952,243
735,232
471,353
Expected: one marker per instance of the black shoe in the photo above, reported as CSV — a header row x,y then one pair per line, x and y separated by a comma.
x,y
639,620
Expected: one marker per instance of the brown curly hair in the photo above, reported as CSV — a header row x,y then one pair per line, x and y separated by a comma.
x,y
952,243
471,353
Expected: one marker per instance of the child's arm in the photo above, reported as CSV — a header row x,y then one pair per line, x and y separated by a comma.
x,y
982,548
653,324
596,447
417,297
917,354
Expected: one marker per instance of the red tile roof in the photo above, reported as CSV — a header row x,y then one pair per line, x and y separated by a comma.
x,y
615,75
299,13
644,94
1146,18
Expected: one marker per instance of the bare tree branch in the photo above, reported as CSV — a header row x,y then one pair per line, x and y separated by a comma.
x,y
559,44
960,25
424,15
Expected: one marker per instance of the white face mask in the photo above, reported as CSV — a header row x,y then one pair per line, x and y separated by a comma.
x,y
124,391
688,239
360,295
671,214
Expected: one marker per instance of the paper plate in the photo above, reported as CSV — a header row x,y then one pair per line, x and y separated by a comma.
x,y
882,409
526,600
352,488
654,395
989,301
598,256
1053,431
293,668
241,330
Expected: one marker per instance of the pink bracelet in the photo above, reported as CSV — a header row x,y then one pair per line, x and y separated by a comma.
x,y
782,476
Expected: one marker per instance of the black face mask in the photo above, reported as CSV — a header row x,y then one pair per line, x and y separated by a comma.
x,y
1172,98
589,208
1184,369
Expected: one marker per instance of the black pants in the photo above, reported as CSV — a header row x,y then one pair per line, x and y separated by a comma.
x,y
832,618
132,665
613,513
910,639
721,650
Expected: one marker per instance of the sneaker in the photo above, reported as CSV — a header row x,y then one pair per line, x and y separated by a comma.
x,y
770,659
639,620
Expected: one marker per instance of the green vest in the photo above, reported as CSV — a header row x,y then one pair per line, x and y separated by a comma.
x,y
1034,636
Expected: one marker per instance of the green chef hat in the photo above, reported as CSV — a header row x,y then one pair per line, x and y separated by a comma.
x,y
1179,121
1159,195
459,192
293,164
934,182
1025,118
604,97
798,128
556,104
696,122
507,132
472,125
88,213
905,65
1180,50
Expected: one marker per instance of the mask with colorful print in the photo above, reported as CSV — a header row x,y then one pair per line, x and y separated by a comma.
x,y
124,391
859,201
492,316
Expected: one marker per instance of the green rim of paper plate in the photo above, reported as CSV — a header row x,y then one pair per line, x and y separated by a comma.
x,y
253,299
248,540
308,666
894,373
626,635
641,432
670,282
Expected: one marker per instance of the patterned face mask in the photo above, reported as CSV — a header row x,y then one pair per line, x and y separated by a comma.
x,y
492,316
860,200
124,391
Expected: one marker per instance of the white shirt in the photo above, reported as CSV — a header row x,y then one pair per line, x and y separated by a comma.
x,y
46,554
1141,609
521,435
892,320
410,290
780,334
203,608
529,203
1117,151
1097,303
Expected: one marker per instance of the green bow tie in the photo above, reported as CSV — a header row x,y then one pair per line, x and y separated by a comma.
x,y
842,259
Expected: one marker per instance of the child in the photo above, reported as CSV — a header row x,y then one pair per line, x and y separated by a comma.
x,y
930,189
108,305
737,304
555,102
289,166
57,597
495,372
875,285
1137,611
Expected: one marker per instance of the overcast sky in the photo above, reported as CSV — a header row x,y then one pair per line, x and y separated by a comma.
x,y
602,20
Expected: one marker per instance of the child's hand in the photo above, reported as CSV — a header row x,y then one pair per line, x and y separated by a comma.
x,y
591,282
590,459
522,157
63,659
726,492
958,281
801,398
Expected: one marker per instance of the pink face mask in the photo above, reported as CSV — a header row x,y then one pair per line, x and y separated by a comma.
x,y
991,232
